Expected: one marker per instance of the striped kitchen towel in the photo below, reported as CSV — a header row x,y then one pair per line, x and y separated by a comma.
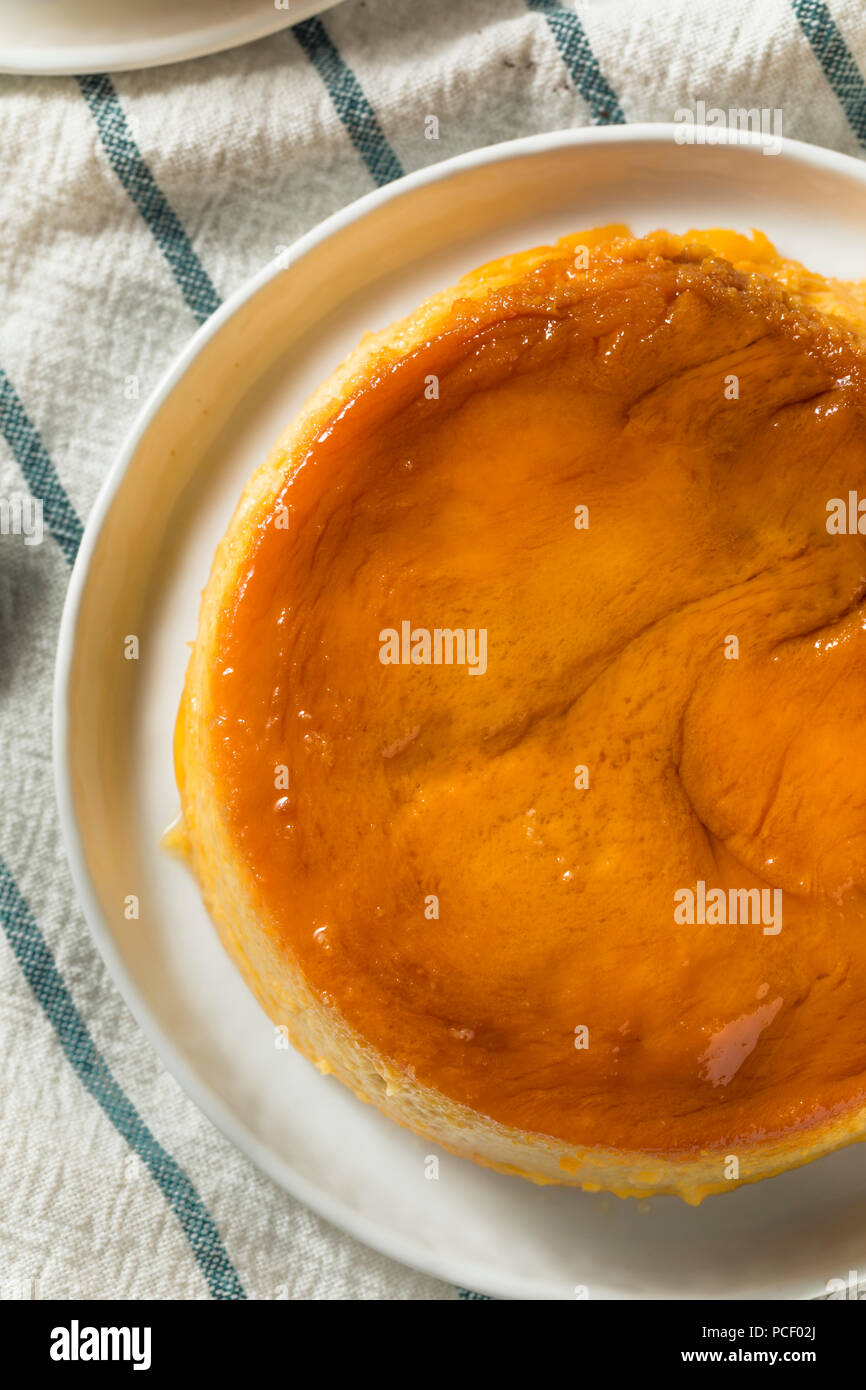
x,y
131,206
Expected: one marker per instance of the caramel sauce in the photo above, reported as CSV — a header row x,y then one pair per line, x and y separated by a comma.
x,y
602,389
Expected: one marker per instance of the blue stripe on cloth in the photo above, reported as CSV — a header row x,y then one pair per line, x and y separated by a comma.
x,y
581,62
835,58
47,984
349,101
39,472
129,166
21,927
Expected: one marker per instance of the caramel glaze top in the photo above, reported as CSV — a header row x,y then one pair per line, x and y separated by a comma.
x,y
603,388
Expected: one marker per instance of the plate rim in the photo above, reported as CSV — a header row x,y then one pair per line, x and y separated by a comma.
x,y
437,1264
81,59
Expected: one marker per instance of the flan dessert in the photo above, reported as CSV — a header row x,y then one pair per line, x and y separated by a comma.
x,y
521,752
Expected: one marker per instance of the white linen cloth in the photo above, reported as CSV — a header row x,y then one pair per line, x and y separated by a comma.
x,y
130,206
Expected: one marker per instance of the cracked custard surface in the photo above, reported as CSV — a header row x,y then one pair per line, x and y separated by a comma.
x,y
606,388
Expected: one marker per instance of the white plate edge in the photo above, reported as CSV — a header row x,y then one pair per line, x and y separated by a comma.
x,y
137,55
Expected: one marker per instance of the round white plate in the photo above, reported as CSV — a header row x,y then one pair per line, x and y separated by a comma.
x,y
145,558
78,36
